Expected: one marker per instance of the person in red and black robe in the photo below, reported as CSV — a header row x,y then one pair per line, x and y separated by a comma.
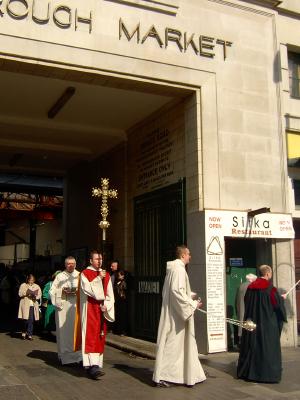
x,y
260,352
96,308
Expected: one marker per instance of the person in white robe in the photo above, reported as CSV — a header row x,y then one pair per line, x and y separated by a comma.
x,y
63,297
177,358
96,308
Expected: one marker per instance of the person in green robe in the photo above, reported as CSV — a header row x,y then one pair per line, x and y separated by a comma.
x,y
260,352
49,318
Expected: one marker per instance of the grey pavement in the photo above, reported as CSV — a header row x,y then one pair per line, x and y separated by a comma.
x,y
30,371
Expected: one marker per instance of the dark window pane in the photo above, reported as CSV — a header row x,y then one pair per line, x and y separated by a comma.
x,y
297,192
294,74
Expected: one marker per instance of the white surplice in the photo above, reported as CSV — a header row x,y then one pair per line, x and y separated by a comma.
x,y
95,290
65,309
177,358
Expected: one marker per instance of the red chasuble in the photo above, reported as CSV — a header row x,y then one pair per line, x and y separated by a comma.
x,y
262,284
95,321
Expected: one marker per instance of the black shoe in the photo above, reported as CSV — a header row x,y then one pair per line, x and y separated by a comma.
x,y
95,372
163,384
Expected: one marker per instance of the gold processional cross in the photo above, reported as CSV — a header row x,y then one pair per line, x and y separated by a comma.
x,y
106,193
104,224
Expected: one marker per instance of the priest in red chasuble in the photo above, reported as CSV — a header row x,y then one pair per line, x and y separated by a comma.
x,y
96,307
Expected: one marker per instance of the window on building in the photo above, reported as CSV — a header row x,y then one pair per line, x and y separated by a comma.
x,y
294,74
293,148
296,184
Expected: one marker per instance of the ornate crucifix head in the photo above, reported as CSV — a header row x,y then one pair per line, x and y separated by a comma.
x,y
105,193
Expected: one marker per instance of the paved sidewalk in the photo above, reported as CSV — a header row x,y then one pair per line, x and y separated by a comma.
x,y
30,371
131,345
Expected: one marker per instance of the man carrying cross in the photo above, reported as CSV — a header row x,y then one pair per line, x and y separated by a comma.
x,y
96,307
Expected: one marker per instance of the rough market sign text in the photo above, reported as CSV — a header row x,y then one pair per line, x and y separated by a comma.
x,y
201,45
65,17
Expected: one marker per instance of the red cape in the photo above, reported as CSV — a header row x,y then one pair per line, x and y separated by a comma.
x,y
95,321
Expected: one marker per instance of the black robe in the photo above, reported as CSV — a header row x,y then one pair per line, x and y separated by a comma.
x,y
260,352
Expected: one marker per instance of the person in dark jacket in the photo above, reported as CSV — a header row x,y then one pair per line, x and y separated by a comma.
x,y
121,304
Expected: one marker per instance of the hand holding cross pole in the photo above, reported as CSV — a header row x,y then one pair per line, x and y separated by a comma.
x,y
292,288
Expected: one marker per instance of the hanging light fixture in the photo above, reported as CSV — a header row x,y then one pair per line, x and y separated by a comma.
x,y
61,102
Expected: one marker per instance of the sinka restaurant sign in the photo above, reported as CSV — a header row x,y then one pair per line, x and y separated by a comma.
x,y
82,19
239,224
218,225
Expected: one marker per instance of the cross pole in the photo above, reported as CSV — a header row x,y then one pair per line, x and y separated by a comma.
x,y
106,194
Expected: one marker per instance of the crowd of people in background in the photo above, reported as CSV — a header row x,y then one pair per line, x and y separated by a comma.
x,y
26,313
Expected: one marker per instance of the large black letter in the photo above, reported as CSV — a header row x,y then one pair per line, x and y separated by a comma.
x,y
60,23
122,28
13,14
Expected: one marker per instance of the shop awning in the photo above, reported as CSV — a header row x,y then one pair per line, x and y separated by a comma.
x,y
293,146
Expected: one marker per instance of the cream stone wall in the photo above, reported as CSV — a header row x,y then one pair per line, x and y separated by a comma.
x,y
290,6
289,40
284,275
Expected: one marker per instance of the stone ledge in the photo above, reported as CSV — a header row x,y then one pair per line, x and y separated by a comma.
x,y
165,6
